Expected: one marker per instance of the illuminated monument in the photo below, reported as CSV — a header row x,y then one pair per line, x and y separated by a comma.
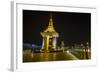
x,y
49,37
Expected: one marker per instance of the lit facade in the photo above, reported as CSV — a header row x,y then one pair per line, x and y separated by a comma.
x,y
49,37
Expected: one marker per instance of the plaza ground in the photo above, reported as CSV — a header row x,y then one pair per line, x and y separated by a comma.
x,y
53,56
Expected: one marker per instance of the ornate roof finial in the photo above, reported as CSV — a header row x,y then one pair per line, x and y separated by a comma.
x,y
51,20
50,27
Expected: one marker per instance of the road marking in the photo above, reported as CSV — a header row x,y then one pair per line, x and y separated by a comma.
x,y
71,55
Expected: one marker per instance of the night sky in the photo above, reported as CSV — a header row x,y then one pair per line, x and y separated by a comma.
x,y
73,28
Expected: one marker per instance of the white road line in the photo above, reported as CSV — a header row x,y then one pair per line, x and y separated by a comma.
x,y
71,55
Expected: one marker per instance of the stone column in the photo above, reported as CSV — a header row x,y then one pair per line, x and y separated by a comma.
x,y
43,43
54,43
47,43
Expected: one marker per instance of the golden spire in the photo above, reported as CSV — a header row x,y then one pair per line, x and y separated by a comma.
x,y
51,21
50,27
